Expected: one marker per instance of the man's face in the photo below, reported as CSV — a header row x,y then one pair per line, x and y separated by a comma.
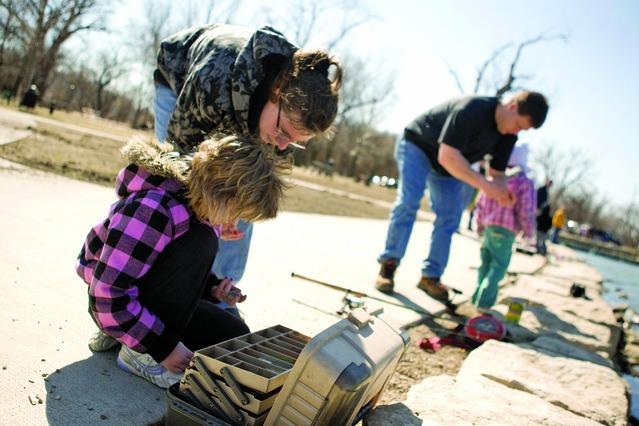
x,y
511,122
275,128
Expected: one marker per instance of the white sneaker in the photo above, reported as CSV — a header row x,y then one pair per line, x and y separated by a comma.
x,y
101,342
145,366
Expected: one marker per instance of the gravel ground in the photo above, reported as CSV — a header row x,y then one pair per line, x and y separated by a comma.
x,y
418,364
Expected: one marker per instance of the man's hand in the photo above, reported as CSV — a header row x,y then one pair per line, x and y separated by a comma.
x,y
227,292
179,359
500,193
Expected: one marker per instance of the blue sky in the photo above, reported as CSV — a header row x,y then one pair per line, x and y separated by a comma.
x,y
592,80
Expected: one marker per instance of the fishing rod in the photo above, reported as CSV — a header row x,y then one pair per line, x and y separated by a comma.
x,y
460,334
449,305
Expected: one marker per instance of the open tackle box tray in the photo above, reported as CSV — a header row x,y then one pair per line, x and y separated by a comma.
x,y
260,360
278,376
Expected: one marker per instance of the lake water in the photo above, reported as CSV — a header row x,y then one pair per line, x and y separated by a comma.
x,y
621,286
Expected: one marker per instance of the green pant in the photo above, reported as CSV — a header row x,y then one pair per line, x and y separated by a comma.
x,y
496,251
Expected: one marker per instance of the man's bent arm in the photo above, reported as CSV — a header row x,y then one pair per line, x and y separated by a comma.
x,y
455,163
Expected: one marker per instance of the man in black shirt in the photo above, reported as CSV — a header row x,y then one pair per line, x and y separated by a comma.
x,y
438,148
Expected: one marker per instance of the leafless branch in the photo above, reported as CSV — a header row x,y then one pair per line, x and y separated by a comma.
x,y
456,78
482,69
507,85
307,15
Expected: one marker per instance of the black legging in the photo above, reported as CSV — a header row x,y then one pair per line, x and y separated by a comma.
x,y
173,289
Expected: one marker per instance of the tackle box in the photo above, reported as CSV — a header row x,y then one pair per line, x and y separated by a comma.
x,y
278,376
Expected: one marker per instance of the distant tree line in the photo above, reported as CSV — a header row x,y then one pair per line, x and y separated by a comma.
x,y
114,81
32,39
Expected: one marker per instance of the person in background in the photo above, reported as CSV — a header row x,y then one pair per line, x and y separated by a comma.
x,y
148,264
558,222
31,97
437,149
499,225
544,222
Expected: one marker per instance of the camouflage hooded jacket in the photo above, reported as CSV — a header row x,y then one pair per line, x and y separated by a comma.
x,y
214,70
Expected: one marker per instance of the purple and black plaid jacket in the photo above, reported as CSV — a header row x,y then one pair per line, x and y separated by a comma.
x,y
520,217
121,249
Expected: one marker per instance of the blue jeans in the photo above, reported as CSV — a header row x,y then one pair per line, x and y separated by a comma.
x,y
496,251
232,255
448,196
541,243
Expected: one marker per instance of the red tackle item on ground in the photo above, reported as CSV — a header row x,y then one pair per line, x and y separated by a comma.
x,y
435,343
484,327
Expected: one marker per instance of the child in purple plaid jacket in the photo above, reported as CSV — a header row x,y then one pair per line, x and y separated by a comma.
x,y
499,226
148,263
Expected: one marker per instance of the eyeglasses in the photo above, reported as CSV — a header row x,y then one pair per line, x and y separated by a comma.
x,y
283,134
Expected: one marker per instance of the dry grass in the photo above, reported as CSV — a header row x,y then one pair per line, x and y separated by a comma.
x,y
349,185
68,153
303,200
79,119
94,159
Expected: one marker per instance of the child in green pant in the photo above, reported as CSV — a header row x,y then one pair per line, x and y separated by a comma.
x,y
499,226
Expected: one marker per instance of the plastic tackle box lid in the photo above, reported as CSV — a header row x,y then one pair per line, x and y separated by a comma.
x,y
340,371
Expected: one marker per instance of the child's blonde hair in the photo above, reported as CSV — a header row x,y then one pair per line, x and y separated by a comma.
x,y
236,177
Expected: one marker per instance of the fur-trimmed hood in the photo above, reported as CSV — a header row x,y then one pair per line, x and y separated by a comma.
x,y
153,165
160,159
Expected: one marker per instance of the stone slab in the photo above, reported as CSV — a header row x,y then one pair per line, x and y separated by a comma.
x,y
581,387
538,291
443,400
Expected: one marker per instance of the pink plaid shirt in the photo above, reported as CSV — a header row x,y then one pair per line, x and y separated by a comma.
x,y
516,218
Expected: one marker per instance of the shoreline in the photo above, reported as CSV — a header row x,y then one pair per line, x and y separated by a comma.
x,y
609,250
560,365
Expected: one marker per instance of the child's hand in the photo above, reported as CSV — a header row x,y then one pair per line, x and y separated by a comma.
x,y
229,232
227,292
178,359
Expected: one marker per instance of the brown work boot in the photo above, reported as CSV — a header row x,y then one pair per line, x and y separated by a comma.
x,y
385,282
434,288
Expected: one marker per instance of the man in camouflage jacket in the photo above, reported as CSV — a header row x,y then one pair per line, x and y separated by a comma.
x,y
214,79
220,75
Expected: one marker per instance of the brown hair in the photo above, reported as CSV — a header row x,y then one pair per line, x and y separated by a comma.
x,y
236,178
308,92
533,105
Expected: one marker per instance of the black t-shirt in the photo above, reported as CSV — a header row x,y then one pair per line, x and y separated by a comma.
x,y
467,124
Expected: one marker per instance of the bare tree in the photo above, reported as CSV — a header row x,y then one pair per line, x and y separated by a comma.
x,y
365,94
585,207
44,26
365,90
208,11
627,222
503,82
304,19
158,23
108,68
569,170
8,24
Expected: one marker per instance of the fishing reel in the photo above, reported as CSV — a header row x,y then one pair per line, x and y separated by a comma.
x,y
350,302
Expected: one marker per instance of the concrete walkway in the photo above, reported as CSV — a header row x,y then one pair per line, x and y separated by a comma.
x,y
23,121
